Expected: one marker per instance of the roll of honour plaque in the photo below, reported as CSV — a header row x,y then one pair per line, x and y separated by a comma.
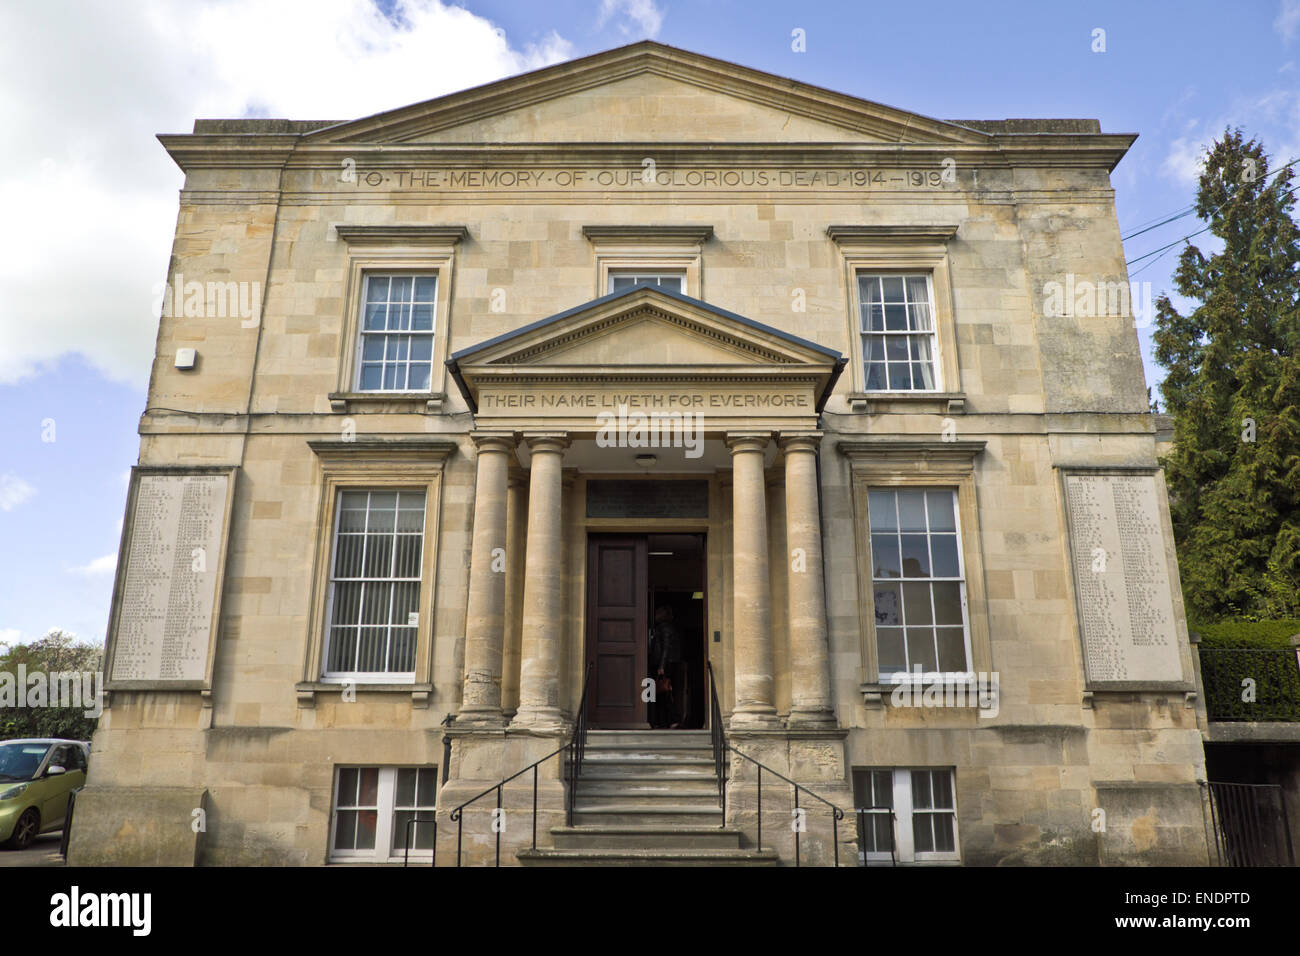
x,y
168,588
1122,579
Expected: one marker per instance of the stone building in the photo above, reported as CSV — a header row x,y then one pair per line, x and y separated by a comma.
x,y
454,405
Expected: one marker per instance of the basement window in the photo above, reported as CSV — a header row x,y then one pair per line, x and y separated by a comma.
x,y
377,810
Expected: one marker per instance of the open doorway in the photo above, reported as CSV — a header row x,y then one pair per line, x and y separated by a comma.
x,y
635,582
675,589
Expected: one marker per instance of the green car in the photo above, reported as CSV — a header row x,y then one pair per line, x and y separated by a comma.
x,y
36,776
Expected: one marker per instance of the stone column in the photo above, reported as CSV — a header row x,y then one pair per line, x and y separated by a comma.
x,y
543,624
752,610
485,613
516,561
810,688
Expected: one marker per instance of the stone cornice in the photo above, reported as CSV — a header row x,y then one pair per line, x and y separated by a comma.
x,y
865,233
422,450
675,235
912,449
357,235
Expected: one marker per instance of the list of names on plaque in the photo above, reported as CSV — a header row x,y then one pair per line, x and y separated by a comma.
x,y
169,589
1122,577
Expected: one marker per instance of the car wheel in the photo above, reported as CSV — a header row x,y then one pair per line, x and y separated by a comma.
x,y
25,830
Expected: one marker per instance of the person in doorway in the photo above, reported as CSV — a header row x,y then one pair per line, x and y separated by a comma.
x,y
669,668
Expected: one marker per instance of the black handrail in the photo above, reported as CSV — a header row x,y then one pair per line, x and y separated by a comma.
x,y
893,833
406,850
721,746
576,745
719,739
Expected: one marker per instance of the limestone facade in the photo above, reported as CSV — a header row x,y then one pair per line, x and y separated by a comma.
x,y
523,200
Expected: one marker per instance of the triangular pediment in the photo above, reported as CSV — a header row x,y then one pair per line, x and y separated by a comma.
x,y
646,92
645,334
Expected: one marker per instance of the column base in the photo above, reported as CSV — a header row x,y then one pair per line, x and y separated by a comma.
x,y
541,719
812,718
480,718
755,720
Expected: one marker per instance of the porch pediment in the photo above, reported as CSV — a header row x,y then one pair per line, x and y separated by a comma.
x,y
651,350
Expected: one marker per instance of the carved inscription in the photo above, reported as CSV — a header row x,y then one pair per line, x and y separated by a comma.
x,y
1122,577
169,587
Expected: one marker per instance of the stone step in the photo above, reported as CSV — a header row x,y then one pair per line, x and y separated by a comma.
x,y
633,857
658,838
698,758
633,775
664,815
648,796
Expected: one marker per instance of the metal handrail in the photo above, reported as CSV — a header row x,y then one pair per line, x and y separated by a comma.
x,y
893,833
721,746
406,850
576,745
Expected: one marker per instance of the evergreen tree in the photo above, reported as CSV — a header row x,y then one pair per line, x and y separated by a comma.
x,y
1233,388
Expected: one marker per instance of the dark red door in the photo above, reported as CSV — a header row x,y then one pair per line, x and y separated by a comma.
x,y
617,631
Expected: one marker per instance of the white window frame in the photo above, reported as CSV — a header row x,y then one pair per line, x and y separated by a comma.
x,y
904,810
370,677
910,676
432,334
936,359
386,809
648,273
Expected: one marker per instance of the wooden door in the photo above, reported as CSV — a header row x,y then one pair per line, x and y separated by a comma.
x,y
617,631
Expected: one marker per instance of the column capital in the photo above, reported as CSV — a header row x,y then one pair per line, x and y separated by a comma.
x,y
747,441
493,441
800,441
546,441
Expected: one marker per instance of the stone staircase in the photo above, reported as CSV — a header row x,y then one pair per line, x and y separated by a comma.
x,y
647,798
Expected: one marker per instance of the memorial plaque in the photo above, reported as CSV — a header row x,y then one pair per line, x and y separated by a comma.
x,y
647,499
1122,581
169,585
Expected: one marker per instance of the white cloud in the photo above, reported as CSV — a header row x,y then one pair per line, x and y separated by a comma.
x,y
90,196
1184,160
1288,20
641,17
105,565
9,636
13,492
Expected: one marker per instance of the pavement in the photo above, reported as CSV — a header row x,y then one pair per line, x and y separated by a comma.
x,y
44,851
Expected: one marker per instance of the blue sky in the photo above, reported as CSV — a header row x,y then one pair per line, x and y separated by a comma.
x,y
90,196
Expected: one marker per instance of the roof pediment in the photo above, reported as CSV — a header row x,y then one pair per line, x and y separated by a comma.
x,y
645,335
646,92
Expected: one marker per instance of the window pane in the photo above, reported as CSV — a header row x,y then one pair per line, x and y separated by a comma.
x,y
893,286
952,649
944,838
424,288
419,378
428,787
880,509
375,316
921,797
922,375
916,557
368,790
348,777
939,504
421,348
873,348
367,821
372,377
405,796
941,789
896,348
896,318
400,290
343,649
899,378
922,837
889,650
920,649
947,602
911,510
889,610
345,830
944,549
916,598
884,556
876,379
377,289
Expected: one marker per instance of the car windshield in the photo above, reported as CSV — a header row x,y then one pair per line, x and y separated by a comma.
x,y
19,761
